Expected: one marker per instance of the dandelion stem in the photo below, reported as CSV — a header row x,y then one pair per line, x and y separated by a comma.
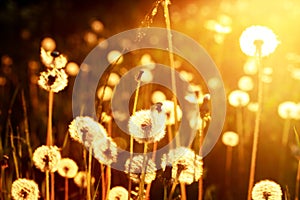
x,y
1,183
297,183
66,188
172,189
153,158
165,192
257,122
14,151
108,168
103,181
47,185
108,180
183,191
95,194
131,138
49,126
169,130
52,186
228,167
88,192
166,3
142,182
201,136
239,128
26,129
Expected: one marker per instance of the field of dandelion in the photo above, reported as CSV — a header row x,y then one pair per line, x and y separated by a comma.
x,y
51,147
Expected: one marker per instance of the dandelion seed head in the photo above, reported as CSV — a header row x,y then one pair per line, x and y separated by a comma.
x,y
46,158
85,130
148,125
118,193
81,179
53,60
24,189
104,93
147,76
253,34
266,189
169,110
67,168
286,110
105,150
246,83
115,57
97,26
48,44
158,96
105,117
186,165
113,79
230,138
136,168
238,98
53,79
72,68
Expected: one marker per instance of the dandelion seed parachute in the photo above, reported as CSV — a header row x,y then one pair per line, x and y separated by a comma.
x,y
67,168
46,158
24,189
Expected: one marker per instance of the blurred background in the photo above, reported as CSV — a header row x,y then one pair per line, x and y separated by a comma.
x,y
78,26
